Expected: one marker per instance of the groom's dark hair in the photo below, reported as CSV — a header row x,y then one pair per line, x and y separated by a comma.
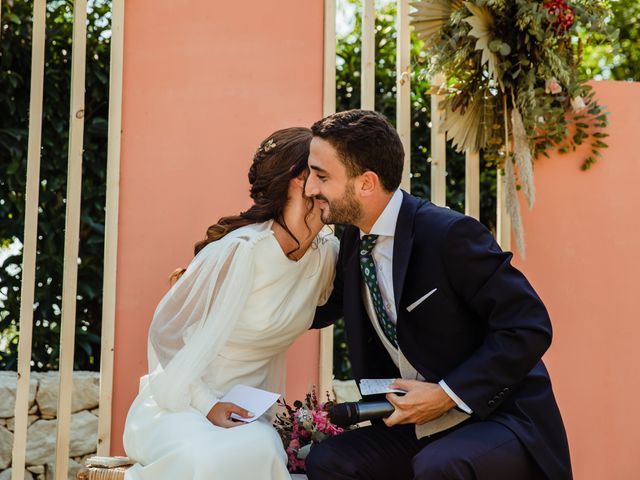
x,y
365,140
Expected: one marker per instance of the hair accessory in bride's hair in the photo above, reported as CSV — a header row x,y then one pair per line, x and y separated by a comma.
x,y
268,145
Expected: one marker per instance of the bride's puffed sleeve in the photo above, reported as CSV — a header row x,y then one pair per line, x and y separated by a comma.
x,y
194,320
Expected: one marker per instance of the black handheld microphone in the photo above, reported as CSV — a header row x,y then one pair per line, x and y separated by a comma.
x,y
350,413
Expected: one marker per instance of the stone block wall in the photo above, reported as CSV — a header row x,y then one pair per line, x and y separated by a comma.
x,y
41,433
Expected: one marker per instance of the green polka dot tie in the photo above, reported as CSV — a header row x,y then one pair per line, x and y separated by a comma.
x,y
368,269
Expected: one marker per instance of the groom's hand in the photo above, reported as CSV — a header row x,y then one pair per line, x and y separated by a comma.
x,y
220,414
423,402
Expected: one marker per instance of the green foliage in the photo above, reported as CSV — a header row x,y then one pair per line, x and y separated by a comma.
x,y
348,96
15,71
619,60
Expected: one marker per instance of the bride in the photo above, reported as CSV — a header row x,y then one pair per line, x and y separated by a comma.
x,y
250,291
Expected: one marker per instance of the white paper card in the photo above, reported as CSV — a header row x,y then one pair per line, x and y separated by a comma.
x,y
252,399
374,386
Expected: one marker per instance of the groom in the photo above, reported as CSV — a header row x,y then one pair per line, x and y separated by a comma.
x,y
429,298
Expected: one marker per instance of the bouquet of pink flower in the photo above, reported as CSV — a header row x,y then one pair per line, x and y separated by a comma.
x,y
303,425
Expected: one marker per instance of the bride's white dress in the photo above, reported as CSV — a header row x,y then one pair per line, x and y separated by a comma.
x,y
228,320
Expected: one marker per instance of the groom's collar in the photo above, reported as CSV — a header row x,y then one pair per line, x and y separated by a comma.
x,y
385,225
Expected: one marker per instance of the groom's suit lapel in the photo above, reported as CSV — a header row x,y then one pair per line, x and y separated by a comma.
x,y
402,245
402,248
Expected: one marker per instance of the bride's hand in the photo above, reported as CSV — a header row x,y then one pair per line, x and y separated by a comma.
x,y
220,414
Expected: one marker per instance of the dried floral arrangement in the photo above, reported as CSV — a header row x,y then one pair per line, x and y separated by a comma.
x,y
513,88
302,426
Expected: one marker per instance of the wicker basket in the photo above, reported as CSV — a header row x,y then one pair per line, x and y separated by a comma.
x,y
104,468
96,473
117,473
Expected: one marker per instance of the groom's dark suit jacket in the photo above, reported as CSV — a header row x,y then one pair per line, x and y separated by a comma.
x,y
484,330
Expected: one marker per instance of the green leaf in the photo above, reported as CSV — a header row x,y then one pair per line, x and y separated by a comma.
x,y
505,49
494,45
12,17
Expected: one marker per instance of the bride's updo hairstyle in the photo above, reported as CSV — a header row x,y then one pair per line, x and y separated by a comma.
x,y
280,157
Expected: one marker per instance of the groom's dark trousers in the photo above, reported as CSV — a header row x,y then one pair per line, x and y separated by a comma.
x,y
483,331
476,450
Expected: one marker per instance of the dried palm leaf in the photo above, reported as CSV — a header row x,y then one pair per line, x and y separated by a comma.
x,y
522,155
470,129
481,21
430,15
512,205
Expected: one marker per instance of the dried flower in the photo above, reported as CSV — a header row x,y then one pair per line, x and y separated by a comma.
x,y
483,23
552,86
562,13
578,104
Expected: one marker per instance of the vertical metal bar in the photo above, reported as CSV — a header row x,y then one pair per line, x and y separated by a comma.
x,y
403,88
367,69
329,83
111,227
438,147
72,233
30,240
328,107
472,185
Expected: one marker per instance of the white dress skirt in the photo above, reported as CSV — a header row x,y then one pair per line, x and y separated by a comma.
x,y
228,320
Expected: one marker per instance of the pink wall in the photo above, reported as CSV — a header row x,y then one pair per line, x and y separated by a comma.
x,y
204,82
583,257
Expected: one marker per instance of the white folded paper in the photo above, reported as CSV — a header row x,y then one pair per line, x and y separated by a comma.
x,y
375,386
252,399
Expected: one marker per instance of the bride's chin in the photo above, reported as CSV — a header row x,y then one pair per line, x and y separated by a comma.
x,y
314,220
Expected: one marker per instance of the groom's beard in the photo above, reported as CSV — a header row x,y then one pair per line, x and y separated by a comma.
x,y
344,211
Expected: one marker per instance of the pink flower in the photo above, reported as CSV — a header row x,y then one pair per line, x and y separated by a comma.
x,y
321,420
552,86
294,444
333,430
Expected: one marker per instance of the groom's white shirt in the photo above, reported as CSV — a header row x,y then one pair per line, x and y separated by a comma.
x,y
385,228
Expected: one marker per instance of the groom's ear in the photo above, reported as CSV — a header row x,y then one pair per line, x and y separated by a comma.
x,y
369,183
